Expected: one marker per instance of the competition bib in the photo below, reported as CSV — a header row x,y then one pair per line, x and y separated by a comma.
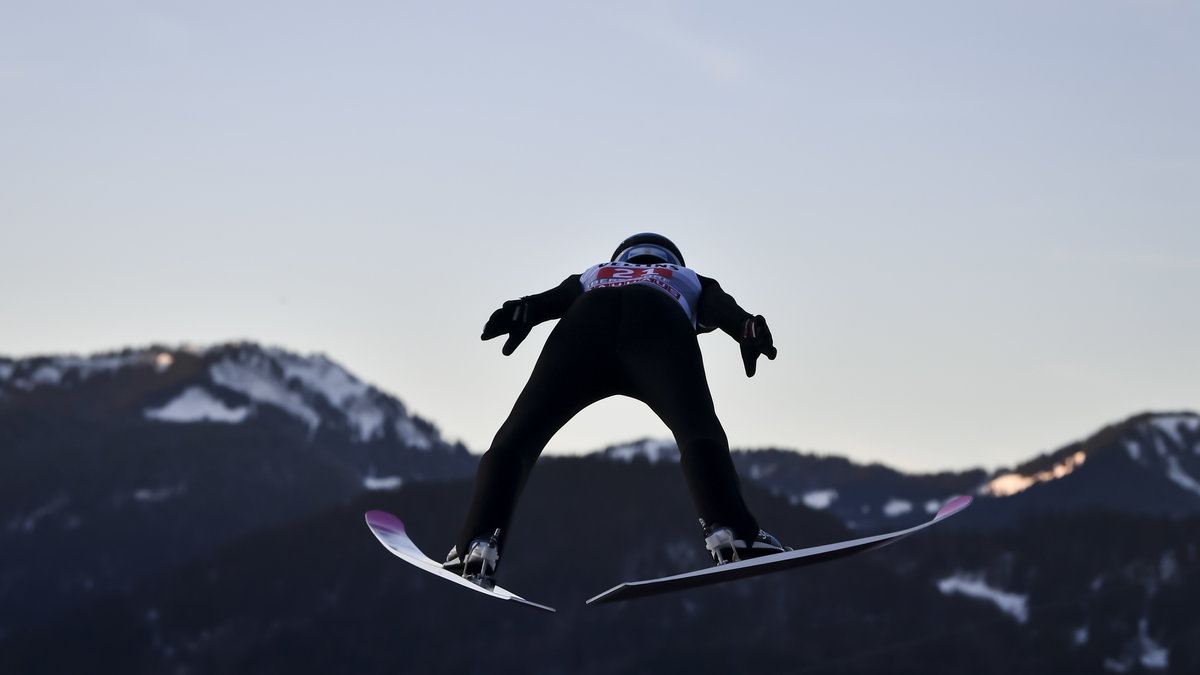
x,y
680,283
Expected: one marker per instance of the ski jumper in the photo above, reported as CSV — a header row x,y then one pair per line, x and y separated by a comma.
x,y
627,330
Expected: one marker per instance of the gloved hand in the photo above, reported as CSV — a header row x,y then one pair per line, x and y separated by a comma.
x,y
512,318
756,341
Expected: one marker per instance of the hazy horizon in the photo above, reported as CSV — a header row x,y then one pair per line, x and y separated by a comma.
x,y
664,435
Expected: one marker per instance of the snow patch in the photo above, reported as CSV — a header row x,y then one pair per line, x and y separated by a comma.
x,y
1182,478
1154,656
1170,425
654,451
6,370
1134,449
1160,446
1168,568
253,378
196,404
1115,666
29,523
342,390
1080,636
366,418
46,373
412,435
161,494
382,482
321,375
761,471
933,506
973,586
104,363
54,370
1142,650
820,499
897,507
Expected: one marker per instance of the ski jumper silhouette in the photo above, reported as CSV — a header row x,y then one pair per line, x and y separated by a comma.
x,y
625,327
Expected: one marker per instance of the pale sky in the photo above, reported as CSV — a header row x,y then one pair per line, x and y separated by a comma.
x,y
974,227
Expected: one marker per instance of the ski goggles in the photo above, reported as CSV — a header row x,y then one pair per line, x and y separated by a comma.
x,y
654,250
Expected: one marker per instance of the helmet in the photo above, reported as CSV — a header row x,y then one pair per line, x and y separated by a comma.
x,y
648,248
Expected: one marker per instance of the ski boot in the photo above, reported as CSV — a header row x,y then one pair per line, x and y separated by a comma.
x,y
479,564
726,547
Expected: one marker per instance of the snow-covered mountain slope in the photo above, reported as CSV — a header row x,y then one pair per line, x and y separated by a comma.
x,y
231,384
194,445
1165,445
865,497
1168,445
28,374
118,469
1149,463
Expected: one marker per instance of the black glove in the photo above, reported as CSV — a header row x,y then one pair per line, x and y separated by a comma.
x,y
512,318
755,341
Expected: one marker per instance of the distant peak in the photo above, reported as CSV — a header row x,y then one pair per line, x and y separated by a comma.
x,y
314,389
1149,438
32,372
304,385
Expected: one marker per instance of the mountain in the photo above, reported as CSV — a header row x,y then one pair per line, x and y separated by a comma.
x,y
867,497
234,384
200,510
1072,593
124,464
1147,464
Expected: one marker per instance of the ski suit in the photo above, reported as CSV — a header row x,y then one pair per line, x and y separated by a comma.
x,y
624,329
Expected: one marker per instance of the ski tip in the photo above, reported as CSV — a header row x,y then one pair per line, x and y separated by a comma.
x,y
384,520
954,506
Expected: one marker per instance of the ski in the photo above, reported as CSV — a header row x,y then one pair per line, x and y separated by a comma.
x,y
771,563
390,531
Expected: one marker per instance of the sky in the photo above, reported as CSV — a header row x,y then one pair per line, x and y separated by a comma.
x,y
974,228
